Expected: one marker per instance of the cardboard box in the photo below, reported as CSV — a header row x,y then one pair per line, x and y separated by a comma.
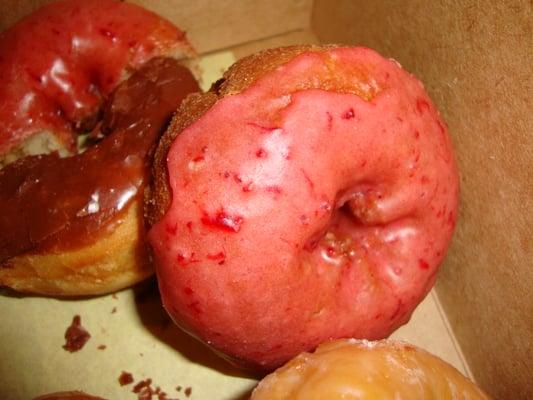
x,y
475,60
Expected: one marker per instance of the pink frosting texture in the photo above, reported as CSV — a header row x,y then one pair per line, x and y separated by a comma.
x,y
298,216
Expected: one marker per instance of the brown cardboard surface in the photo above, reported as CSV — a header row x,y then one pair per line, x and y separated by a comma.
x,y
210,24
141,340
304,36
217,24
475,59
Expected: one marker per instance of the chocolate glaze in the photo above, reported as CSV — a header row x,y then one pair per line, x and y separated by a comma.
x,y
49,203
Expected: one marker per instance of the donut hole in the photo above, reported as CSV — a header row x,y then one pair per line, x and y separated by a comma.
x,y
330,239
339,244
361,202
80,132
355,210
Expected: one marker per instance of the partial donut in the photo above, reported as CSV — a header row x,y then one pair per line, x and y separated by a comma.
x,y
310,195
74,226
76,395
353,369
58,65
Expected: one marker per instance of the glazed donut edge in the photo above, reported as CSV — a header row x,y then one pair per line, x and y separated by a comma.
x,y
310,195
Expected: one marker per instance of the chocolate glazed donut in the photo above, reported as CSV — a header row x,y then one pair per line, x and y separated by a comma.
x,y
74,225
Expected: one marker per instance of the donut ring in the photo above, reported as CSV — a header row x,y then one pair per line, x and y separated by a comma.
x,y
56,85
312,195
383,370
74,226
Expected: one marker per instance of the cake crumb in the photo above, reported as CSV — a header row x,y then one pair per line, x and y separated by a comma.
x,y
76,335
125,378
145,390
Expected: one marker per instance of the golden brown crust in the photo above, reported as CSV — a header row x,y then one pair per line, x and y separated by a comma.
x,y
249,69
113,262
157,195
236,79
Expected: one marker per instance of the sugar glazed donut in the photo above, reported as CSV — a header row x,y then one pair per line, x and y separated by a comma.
x,y
74,226
311,194
385,370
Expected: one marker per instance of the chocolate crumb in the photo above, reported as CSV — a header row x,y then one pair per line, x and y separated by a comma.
x,y
76,336
145,394
114,295
114,310
145,390
141,385
125,378
102,347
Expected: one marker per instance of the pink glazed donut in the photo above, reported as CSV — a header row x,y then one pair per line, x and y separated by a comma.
x,y
310,195
59,64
